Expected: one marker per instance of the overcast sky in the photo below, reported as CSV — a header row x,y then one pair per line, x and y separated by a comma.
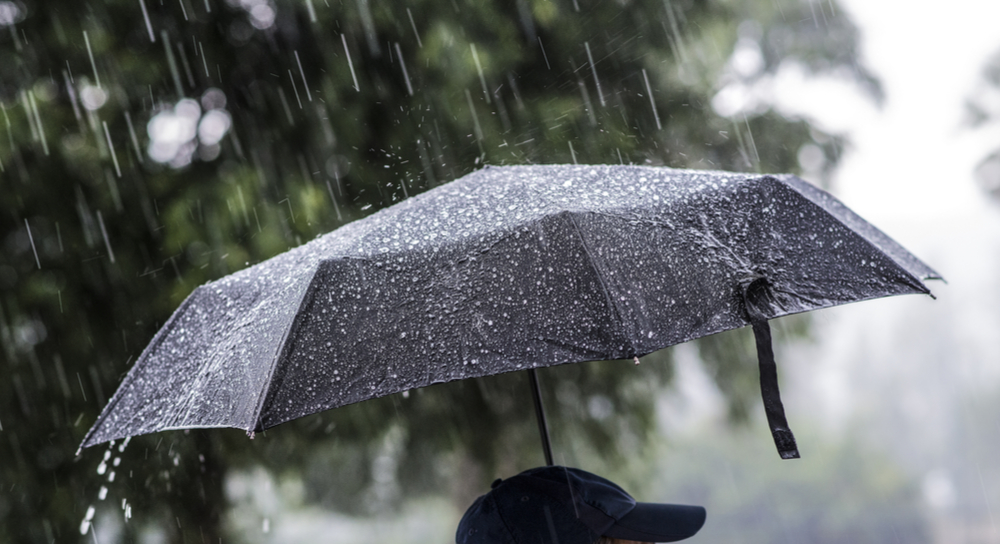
x,y
909,171
912,160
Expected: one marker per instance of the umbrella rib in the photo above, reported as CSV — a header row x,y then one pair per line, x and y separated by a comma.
x,y
283,348
612,304
865,231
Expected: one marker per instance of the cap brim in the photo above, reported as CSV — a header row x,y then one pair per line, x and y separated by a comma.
x,y
653,522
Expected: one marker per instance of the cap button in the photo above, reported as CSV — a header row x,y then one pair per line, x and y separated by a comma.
x,y
496,483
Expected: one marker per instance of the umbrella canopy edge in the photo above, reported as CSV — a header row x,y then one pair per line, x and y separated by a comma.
x,y
158,338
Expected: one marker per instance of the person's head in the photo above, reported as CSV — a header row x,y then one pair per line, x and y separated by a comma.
x,y
571,506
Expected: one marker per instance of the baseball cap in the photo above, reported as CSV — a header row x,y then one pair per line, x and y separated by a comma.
x,y
562,505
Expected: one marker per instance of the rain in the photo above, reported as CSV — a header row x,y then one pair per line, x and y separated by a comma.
x,y
155,156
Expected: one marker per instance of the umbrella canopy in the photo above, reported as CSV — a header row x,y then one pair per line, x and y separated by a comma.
x,y
507,268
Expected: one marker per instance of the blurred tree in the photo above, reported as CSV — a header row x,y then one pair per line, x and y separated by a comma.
x,y
984,109
149,147
849,494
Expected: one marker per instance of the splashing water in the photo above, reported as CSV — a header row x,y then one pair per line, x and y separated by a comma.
x,y
85,524
102,494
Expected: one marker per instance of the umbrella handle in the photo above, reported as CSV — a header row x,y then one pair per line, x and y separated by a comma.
x,y
543,427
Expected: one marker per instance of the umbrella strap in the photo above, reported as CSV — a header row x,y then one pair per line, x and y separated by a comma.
x,y
783,437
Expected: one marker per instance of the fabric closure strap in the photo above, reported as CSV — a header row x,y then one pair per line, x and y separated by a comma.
x,y
784,440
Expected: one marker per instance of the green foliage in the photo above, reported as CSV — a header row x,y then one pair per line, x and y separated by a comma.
x,y
100,242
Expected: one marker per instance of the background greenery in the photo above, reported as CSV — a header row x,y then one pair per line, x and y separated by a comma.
x,y
337,109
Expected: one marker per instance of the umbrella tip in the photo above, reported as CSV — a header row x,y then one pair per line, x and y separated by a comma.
x,y
251,435
636,360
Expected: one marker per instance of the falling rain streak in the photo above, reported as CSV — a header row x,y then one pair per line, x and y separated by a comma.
x,y
295,89
753,145
479,69
131,133
90,53
204,61
104,233
38,122
413,25
475,120
652,103
544,56
406,75
350,63
593,69
174,73
111,146
149,25
302,73
32,240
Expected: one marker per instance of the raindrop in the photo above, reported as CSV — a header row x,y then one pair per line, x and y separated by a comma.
x,y
593,69
479,68
90,52
295,88
544,56
652,103
303,74
350,63
414,26
85,524
406,75
149,26
38,121
32,240
104,233
114,156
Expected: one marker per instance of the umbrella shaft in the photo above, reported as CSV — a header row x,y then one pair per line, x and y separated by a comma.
x,y
543,427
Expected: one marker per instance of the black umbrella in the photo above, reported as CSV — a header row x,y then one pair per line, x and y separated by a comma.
x,y
507,269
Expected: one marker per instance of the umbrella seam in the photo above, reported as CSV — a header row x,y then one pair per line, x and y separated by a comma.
x,y
612,304
284,347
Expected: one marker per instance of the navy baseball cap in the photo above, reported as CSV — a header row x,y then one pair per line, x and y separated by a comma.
x,y
560,505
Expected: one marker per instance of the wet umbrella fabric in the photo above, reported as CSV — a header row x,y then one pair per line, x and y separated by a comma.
x,y
507,268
